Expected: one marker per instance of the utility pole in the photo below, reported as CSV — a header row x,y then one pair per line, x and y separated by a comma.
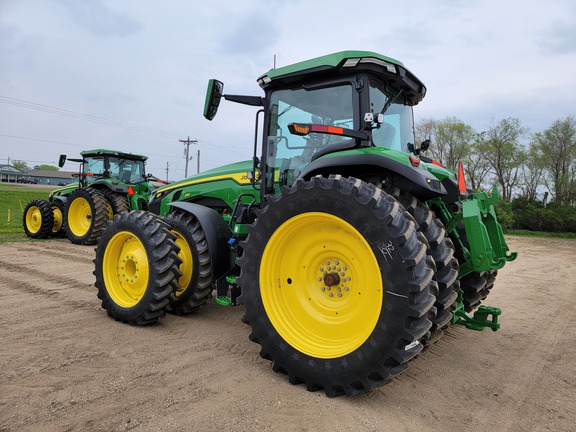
x,y
167,165
187,143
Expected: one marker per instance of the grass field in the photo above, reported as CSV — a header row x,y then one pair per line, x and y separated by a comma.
x,y
13,201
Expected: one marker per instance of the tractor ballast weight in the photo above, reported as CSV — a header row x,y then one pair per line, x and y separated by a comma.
x,y
350,250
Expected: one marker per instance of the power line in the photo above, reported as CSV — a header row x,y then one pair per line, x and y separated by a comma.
x,y
73,114
83,146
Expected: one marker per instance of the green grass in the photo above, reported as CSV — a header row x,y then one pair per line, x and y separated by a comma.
x,y
13,201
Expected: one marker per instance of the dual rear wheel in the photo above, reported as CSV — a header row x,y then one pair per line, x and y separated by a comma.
x,y
87,212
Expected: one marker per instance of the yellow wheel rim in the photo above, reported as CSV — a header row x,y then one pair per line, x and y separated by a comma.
x,y
187,266
110,211
125,269
79,217
58,219
320,285
33,219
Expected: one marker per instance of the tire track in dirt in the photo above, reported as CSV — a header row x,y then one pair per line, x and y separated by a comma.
x,y
25,272
60,289
75,253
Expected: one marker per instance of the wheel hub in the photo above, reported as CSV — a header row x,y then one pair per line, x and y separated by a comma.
x,y
335,278
125,268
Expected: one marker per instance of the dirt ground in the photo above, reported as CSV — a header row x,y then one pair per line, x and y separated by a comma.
x,y
65,365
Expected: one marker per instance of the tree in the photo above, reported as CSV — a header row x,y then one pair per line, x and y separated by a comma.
x,y
532,172
49,168
21,165
558,147
425,129
451,139
501,147
476,166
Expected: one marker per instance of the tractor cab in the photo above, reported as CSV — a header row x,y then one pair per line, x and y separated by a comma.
x,y
125,167
331,104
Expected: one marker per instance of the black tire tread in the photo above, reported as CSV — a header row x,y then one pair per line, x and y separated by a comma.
x,y
47,217
58,233
117,201
419,288
200,288
475,288
447,267
99,216
163,263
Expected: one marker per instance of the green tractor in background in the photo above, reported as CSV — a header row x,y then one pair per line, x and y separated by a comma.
x,y
110,182
349,249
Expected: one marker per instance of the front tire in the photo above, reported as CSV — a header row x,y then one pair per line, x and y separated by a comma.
x,y
136,268
58,210
196,268
86,215
337,285
38,219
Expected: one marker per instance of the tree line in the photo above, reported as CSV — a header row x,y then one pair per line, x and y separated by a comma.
x,y
535,173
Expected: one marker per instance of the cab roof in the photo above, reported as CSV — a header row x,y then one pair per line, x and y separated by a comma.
x,y
115,153
385,68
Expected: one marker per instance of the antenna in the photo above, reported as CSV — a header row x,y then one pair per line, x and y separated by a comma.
x,y
274,61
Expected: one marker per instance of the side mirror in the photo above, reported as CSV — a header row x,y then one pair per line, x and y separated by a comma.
x,y
424,146
213,96
61,161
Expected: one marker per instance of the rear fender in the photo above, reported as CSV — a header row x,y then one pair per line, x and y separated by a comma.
x,y
420,183
216,231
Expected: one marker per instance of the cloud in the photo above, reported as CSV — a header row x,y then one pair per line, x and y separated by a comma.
x,y
97,19
560,38
253,33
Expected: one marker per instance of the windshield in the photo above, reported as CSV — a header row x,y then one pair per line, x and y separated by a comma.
x,y
126,170
398,127
328,106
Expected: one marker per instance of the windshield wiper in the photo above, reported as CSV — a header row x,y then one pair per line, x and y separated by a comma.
x,y
390,102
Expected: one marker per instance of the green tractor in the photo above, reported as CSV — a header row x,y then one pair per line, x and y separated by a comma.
x,y
349,249
110,182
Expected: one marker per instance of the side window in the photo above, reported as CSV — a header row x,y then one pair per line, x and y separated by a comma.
x,y
331,106
94,166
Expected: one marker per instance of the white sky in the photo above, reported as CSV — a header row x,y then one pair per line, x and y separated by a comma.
x,y
145,64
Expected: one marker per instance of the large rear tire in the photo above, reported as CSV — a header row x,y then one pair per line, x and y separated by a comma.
x,y
86,215
447,267
136,268
38,219
337,285
196,268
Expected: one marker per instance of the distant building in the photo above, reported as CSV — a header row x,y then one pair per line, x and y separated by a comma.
x,y
9,174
